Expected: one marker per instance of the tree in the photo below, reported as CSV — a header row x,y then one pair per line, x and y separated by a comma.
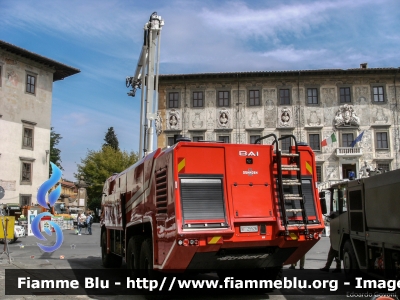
x,y
97,166
55,153
111,139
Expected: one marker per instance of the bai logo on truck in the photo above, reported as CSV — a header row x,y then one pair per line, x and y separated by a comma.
x,y
250,153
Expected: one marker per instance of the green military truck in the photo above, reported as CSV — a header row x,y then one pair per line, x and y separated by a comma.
x,y
365,224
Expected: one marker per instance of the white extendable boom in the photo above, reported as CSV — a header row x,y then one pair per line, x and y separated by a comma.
x,y
148,68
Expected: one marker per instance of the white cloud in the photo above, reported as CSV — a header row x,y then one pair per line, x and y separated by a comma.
x,y
83,129
240,19
84,18
104,40
79,119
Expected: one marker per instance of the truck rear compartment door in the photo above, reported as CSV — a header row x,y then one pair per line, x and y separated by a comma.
x,y
251,201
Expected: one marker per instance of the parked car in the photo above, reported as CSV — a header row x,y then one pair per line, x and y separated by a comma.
x,y
19,231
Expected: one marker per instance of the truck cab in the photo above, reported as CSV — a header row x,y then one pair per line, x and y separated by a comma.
x,y
364,224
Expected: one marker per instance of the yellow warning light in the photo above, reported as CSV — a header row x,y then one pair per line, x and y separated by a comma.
x,y
293,236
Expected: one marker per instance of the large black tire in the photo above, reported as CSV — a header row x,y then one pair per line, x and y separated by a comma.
x,y
110,260
146,259
133,255
350,265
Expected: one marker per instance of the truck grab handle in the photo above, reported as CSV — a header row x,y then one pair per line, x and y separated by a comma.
x,y
267,136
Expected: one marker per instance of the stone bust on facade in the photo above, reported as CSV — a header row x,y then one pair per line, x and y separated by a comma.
x,y
223,119
285,117
173,119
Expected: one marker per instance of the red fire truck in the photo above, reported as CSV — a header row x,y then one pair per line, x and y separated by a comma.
x,y
213,206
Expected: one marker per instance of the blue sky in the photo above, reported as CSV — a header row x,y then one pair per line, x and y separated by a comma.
x,y
103,39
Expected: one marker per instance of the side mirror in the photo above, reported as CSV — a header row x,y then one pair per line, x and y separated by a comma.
x,y
323,202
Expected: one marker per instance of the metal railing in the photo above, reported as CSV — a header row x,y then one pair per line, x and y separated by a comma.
x,y
349,151
327,184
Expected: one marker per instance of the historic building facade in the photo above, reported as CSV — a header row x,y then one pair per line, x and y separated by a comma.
x,y
26,84
334,106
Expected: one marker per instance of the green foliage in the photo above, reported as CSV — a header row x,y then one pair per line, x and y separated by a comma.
x,y
97,166
94,203
111,139
55,153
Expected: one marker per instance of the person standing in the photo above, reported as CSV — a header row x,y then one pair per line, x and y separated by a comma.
x,y
89,223
302,260
83,221
79,223
332,254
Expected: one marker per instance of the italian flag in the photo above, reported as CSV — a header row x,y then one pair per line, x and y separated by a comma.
x,y
329,140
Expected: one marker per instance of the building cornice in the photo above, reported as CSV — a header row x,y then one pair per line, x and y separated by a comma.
x,y
61,71
275,74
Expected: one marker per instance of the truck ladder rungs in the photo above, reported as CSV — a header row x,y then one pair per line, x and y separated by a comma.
x,y
290,168
293,197
290,182
295,210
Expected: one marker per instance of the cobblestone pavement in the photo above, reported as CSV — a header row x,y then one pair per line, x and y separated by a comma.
x,y
83,252
80,252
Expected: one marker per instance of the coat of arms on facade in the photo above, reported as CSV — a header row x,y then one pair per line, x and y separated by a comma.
x,y
346,116
158,124
380,117
314,120
254,120
285,117
223,119
197,123
173,119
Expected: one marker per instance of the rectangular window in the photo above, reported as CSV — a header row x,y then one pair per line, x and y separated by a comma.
x,y
312,96
198,99
347,139
223,98
382,140
253,138
171,141
378,93
25,200
223,138
345,95
26,173
285,144
319,173
254,98
30,83
27,140
198,138
314,141
284,97
383,167
173,100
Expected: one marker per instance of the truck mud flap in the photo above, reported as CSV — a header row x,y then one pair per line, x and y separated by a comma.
x,y
240,259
